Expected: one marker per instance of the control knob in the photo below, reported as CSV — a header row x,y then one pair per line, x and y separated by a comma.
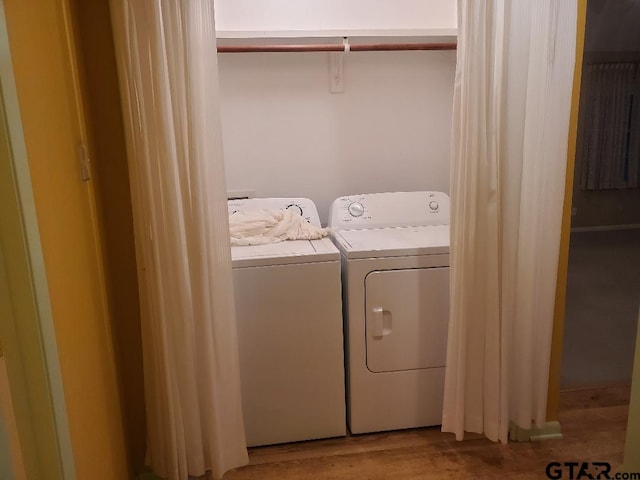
x,y
295,208
433,205
356,209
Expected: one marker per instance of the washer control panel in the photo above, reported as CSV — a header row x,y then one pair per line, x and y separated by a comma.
x,y
392,209
303,206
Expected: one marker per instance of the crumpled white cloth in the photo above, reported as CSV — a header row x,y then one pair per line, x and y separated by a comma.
x,y
259,227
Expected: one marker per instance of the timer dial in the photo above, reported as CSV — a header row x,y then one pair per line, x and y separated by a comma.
x,y
356,209
296,208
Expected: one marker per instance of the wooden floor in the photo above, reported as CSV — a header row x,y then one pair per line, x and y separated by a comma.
x,y
593,423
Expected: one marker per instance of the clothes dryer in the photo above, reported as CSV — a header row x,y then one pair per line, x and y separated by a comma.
x,y
289,319
395,269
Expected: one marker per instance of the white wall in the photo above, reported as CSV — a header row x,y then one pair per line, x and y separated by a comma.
x,y
286,135
314,15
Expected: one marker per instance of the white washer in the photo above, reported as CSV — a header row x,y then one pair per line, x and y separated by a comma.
x,y
395,268
289,318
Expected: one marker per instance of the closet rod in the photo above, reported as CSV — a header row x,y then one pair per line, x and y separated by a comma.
x,y
335,47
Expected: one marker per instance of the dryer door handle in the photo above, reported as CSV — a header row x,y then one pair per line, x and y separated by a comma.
x,y
377,323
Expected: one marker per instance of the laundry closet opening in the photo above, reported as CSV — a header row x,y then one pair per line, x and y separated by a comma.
x,y
286,134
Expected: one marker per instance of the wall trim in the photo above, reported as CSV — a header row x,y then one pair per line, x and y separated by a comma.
x,y
632,445
550,431
602,228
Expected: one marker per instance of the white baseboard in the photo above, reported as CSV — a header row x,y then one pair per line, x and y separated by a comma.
x,y
550,431
602,228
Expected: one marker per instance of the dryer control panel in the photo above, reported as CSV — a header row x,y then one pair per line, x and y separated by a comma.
x,y
391,209
303,206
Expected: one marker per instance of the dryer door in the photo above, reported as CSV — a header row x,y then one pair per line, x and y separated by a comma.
x,y
407,318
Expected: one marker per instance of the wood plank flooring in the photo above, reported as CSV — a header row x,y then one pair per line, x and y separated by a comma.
x,y
593,423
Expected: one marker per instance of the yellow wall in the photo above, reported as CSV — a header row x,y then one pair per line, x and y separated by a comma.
x,y
109,157
555,369
22,308
53,127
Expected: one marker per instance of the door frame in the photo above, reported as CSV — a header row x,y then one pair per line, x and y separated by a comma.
x,y
632,462
555,366
26,323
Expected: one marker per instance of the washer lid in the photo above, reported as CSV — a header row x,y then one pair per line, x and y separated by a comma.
x,y
394,241
284,253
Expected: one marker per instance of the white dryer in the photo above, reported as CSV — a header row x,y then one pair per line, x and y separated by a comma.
x,y
395,269
289,319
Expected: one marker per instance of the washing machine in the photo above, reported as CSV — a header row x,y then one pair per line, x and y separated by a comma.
x,y
395,269
289,320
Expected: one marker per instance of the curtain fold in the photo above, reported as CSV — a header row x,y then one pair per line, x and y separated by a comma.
x,y
168,74
512,101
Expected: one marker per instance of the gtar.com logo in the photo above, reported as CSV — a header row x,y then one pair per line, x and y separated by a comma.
x,y
585,470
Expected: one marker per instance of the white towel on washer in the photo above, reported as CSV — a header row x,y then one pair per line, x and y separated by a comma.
x,y
259,227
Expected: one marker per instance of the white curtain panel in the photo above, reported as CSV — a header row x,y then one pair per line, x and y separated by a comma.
x,y
168,71
511,116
